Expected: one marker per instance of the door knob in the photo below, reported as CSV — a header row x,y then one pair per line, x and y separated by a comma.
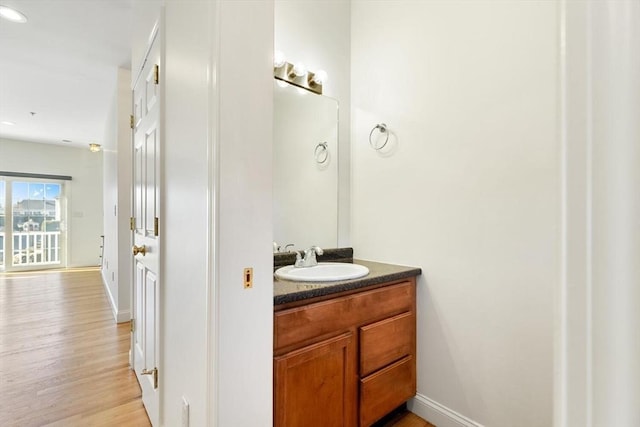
x,y
139,250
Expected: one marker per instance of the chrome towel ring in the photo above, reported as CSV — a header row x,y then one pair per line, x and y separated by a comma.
x,y
383,129
321,153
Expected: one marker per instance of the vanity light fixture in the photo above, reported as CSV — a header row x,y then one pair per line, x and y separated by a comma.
x,y
94,148
320,77
299,70
279,59
12,15
297,74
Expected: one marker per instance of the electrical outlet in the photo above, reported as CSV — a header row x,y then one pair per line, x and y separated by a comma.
x,y
185,412
248,278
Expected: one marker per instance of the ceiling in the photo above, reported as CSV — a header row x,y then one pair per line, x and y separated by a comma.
x,y
62,65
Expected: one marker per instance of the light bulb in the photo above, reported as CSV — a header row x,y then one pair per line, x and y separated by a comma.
x,y
278,59
12,15
320,77
299,69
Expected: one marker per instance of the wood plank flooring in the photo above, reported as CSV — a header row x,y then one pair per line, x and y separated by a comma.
x,y
407,419
63,360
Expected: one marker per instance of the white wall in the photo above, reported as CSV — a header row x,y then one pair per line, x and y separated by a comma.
x,y
84,192
242,215
116,267
317,33
468,190
184,211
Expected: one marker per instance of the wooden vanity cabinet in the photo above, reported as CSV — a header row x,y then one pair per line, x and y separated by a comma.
x,y
345,361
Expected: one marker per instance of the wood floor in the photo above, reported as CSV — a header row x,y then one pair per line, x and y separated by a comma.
x,y
407,419
63,360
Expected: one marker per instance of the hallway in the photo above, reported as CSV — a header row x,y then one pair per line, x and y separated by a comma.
x,y
63,360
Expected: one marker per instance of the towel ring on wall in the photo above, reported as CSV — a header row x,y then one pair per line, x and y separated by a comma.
x,y
321,153
383,129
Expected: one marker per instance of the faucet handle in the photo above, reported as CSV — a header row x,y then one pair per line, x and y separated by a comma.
x,y
299,262
317,249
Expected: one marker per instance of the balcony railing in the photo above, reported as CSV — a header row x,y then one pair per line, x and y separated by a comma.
x,y
35,248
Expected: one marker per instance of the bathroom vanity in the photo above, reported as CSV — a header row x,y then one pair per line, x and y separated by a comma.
x,y
344,351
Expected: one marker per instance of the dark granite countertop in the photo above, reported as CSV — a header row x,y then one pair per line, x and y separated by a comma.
x,y
287,291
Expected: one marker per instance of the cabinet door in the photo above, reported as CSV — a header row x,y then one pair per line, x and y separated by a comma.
x,y
317,385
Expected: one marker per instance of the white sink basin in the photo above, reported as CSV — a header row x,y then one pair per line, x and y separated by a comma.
x,y
323,272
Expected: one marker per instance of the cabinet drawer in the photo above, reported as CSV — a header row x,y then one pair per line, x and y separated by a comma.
x,y
386,341
386,390
301,324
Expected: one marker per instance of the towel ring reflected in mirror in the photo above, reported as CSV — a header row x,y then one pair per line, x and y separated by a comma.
x,y
321,152
383,130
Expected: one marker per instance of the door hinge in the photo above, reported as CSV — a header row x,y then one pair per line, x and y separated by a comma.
x,y
131,121
132,223
156,74
153,372
133,325
156,226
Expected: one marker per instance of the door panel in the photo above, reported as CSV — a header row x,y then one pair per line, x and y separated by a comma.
x,y
150,297
138,335
151,202
151,89
138,163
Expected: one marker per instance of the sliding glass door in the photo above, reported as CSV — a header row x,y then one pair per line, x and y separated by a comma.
x,y
32,229
2,222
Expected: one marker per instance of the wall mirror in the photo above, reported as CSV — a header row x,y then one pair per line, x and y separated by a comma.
x,y
305,168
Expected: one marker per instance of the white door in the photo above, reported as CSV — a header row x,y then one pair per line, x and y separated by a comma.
x,y
146,239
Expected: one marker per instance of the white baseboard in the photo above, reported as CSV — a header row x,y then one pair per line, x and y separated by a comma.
x,y
438,414
120,316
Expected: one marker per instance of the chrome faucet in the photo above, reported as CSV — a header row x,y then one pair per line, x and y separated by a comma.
x,y
309,259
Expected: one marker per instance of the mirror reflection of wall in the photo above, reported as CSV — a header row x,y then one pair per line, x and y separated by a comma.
x,y
305,188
